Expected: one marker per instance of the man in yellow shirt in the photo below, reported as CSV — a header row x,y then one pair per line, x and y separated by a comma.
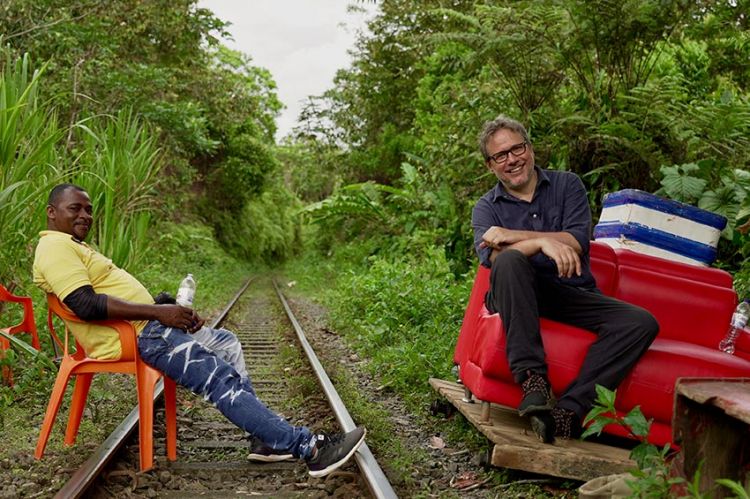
x,y
171,338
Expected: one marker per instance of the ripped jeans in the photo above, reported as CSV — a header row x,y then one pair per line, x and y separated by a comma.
x,y
210,363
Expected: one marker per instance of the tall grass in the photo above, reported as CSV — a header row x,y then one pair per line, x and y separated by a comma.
x,y
402,313
116,162
119,166
29,162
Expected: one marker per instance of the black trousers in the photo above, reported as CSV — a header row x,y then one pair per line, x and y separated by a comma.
x,y
520,296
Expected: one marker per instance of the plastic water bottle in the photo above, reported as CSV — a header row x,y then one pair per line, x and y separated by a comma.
x,y
186,291
739,320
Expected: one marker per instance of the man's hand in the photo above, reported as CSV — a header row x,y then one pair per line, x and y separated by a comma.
x,y
179,317
198,322
566,258
499,237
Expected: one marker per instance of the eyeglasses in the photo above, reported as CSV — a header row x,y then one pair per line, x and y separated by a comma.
x,y
501,157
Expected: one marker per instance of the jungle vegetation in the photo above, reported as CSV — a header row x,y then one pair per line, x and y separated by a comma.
x,y
639,94
173,133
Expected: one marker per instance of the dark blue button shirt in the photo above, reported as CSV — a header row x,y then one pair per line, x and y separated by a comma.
x,y
559,204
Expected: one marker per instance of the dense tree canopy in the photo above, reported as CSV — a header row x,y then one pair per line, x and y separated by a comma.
x,y
646,94
213,110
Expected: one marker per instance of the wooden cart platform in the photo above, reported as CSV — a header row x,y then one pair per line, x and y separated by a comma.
x,y
518,448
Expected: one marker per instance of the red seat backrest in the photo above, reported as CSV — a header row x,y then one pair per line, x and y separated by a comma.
x,y
686,309
707,275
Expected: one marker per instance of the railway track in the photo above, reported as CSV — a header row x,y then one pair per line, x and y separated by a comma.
x,y
212,452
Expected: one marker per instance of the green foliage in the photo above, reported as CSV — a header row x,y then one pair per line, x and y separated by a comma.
x,y
266,228
210,110
119,169
403,316
413,215
242,174
680,185
29,163
652,477
609,90
652,474
736,488
309,168
190,247
33,373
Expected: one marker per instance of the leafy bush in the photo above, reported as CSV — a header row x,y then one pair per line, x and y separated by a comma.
x,y
404,314
267,228
404,219
178,249
653,476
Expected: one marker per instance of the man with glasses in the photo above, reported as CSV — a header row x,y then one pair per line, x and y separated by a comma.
x,y
532,229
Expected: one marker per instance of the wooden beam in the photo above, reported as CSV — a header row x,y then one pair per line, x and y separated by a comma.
x,y
517,447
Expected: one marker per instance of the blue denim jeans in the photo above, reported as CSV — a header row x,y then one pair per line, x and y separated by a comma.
x,y
210,363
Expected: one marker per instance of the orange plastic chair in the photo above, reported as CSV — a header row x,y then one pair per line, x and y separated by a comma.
x,y
27,325
83,368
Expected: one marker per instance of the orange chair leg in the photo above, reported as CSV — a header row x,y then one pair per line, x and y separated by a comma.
x,y
7,372
170,416
55,399
146,378
77,404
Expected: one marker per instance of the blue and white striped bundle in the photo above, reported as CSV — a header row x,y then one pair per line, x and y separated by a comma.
x,y
648,224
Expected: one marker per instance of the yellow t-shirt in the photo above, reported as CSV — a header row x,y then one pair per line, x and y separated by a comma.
x,y
62,264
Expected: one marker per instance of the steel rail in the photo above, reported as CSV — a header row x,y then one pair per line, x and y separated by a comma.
x,y
375,479
94,465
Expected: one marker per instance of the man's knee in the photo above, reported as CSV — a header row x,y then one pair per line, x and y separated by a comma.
x,y
644,322
650,324
508,263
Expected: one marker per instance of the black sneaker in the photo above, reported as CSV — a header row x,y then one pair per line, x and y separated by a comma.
x,y
537,395
265,454
332,451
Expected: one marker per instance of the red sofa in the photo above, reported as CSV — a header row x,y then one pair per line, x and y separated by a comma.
x,y
693,306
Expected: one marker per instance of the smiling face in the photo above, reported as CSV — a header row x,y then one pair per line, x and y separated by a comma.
x,y
71,213
516,173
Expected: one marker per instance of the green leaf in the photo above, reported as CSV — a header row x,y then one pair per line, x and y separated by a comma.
x,y
606,397
680,185
735,487
595,412
19,343
637,422
597,426
644,454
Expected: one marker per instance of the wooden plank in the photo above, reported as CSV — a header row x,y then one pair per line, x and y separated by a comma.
x,y
517,447
711,425
731,395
